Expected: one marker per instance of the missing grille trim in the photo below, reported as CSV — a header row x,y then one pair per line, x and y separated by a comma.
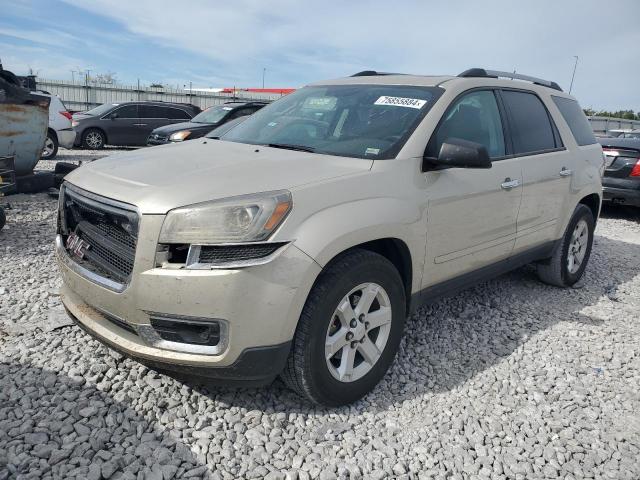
x,y
109,227
233,255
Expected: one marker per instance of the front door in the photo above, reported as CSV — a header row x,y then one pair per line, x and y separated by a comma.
x,y
119,125
472,213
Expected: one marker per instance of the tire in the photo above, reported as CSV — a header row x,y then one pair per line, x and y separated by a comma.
x,y
93,139
560,270
308,371
50,149
3,218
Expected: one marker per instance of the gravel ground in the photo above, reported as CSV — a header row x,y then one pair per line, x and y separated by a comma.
x,y
509,380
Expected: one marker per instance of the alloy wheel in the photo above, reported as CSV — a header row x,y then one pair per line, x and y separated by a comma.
x,y
94,140
48,148
358,332
577,246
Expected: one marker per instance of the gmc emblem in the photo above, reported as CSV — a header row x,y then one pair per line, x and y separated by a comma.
x,y
76,246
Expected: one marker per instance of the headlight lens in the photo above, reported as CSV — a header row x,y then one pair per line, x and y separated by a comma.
x,y
246,218
179,136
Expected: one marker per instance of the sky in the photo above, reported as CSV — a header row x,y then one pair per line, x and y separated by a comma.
x,y
229,43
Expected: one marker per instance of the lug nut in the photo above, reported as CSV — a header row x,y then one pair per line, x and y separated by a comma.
x,y
353,323
354,344
362,340
361,317
349,335
366,325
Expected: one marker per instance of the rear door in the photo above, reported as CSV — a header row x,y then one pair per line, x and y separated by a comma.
x,y
119,125
150,118
471,219
547,167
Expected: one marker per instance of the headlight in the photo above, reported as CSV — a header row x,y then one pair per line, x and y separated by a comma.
x,y
247,218
179,136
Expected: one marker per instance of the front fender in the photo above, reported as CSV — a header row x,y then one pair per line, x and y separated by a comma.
x,y
330,231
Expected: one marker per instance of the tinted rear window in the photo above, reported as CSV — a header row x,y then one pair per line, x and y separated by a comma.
x,y
530,125
576,119
151,111
176,113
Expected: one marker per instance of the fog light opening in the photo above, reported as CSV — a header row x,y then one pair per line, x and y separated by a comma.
x,y
184,330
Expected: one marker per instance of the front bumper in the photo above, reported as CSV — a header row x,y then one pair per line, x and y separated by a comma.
x,y
66,137
261,306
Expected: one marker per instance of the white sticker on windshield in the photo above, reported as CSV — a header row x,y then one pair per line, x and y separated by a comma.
x,y
401,102
372,151
227,108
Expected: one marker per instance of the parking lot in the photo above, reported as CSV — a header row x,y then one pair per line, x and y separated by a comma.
x,y
511,379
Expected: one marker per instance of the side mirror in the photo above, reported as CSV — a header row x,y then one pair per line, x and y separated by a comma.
x,y
459,153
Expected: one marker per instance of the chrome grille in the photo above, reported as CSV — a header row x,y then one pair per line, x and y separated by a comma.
x,y
109,228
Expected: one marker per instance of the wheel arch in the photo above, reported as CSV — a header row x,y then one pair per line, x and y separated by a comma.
x,y
593,201
396,251
53,132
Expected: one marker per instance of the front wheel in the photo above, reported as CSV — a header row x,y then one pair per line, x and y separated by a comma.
x,y
349,330
93,139
571,256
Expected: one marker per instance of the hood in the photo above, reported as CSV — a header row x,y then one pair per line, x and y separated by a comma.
x,y
176,127
161,178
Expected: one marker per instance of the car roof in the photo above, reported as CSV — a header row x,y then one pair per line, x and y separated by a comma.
x,y
388,79
154,103
470,78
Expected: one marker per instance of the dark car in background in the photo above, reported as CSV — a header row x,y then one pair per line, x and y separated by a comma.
x,y
621,181
127,123
203,123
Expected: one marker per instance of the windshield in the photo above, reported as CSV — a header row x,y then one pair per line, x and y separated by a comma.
x,y
212,115
364,121
100,110
225,127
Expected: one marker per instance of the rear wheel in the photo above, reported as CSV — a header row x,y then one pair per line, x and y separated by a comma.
x,y
50,149
570,258
93,139
349,330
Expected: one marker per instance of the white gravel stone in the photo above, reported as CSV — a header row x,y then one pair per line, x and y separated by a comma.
x,y
511,379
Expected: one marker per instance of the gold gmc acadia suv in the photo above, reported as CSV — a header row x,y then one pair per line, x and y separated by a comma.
x,y
297,243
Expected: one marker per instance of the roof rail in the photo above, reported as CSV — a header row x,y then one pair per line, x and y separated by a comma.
x,y
373,73
481,72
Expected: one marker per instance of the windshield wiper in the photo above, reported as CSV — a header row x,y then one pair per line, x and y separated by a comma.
x,y
288,146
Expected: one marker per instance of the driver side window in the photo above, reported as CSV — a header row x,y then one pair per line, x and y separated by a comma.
x,y
474,117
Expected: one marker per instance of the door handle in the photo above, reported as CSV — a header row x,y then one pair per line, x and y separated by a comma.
x,y
565,172
508,184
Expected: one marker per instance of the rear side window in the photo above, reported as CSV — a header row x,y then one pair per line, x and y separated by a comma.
x,y
151,111
531,128
576,119
176,114
127,111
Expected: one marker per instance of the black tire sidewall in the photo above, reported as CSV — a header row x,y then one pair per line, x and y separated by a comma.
x,y
332,391
581,213
84,139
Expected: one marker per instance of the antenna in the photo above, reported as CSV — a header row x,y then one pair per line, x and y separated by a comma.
x,y
575,65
